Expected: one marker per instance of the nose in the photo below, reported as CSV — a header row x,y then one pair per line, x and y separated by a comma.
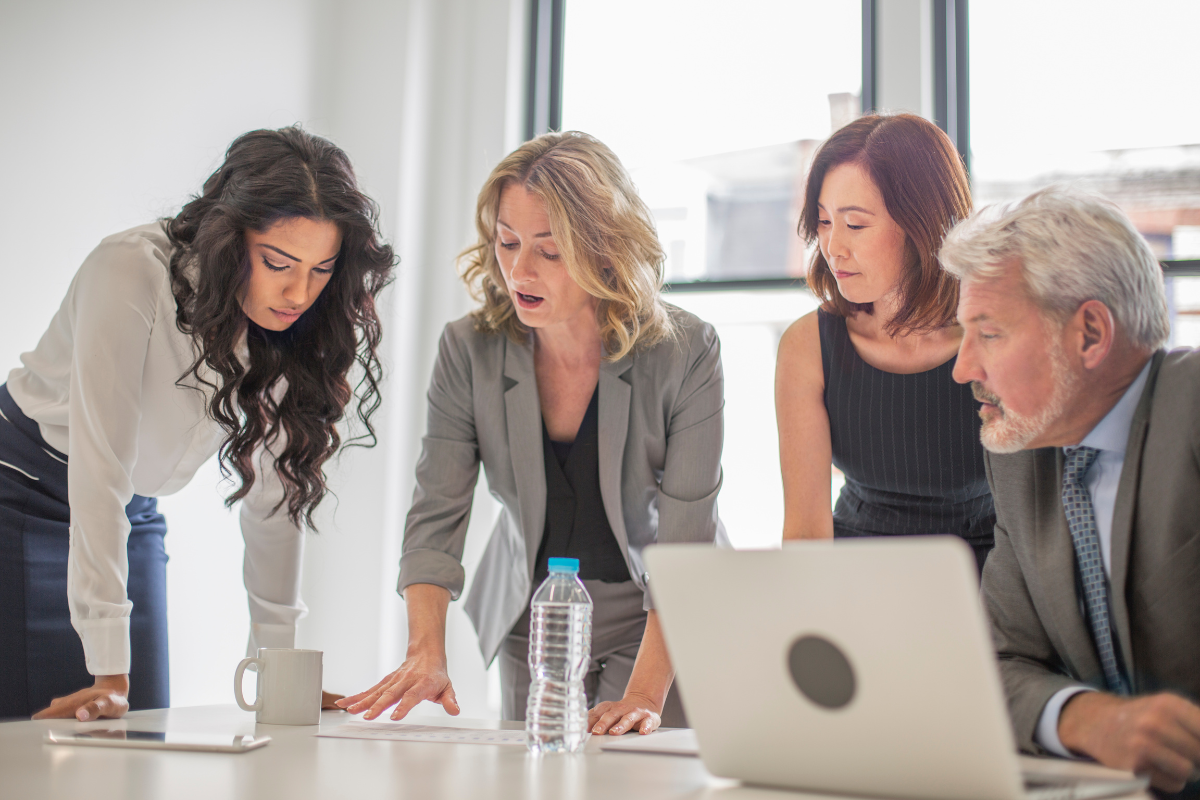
x,y
522,267
835,242
295,291
966,366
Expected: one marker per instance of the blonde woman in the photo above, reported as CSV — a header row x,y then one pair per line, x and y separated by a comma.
x,y
596,410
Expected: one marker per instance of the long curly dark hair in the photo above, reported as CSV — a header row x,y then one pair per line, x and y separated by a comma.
x,y
269,176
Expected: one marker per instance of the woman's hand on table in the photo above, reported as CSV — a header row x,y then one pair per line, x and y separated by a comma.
x,y
632,712
329,701
107,697
422,676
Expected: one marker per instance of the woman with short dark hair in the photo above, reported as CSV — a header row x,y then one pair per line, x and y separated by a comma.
x,y
229,329
864,383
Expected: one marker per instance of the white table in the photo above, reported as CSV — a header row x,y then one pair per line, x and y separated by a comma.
x,y
297,765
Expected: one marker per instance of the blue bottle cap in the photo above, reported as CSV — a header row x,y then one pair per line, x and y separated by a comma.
x,y
564,565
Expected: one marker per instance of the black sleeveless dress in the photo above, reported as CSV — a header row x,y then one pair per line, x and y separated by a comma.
x,y
908,445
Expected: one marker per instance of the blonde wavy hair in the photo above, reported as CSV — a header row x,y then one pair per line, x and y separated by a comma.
x,y
604,233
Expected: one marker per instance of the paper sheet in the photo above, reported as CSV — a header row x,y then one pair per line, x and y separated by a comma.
x,y
678,742
399,732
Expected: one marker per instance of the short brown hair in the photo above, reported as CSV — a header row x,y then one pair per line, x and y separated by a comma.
x,y
603,230
925,188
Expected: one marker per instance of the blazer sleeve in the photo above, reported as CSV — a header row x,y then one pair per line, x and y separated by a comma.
x,y
114,297
1030,668
691,479
436,529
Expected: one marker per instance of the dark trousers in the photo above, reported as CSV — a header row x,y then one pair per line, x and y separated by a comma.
x,y
981,548
41,656
618,623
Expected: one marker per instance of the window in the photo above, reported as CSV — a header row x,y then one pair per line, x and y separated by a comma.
x,y
716,108
1097,95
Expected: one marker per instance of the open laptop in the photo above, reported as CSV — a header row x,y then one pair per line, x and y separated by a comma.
x,y
860,667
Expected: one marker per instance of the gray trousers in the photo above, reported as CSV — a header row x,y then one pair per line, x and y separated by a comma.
x,y
618,623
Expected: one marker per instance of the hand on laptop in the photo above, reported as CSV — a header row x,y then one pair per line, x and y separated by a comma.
x,y
629,713
1156,735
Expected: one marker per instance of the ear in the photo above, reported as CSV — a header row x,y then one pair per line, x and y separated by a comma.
x,y
1096,330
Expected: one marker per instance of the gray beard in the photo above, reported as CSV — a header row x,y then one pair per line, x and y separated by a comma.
x,y
1011,432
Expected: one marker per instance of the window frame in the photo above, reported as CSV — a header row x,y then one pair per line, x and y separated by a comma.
x,y
951,102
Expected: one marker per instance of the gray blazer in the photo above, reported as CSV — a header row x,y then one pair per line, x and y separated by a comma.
x,y
1029,583
660,433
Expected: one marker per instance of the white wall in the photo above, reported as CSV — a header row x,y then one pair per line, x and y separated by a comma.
x,y
114,114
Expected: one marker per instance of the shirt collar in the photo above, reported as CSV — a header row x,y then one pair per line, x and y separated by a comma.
x,y
1112,432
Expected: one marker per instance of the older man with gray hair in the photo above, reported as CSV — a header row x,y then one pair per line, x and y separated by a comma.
x,y
1093,439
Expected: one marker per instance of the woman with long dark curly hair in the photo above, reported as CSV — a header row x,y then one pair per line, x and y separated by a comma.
x,y
232,329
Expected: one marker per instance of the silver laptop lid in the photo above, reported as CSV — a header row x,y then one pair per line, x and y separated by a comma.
x,y
857,666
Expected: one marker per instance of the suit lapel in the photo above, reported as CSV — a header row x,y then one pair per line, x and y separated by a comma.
x,y
1122,524
1056,565
615,394
522,409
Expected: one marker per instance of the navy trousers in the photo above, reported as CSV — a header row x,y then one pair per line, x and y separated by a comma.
x,y
41,656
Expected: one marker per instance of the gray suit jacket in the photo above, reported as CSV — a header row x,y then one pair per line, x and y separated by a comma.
x,y
1029,583
660,433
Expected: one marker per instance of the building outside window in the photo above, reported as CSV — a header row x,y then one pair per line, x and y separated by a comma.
x,y
1093,94
715,108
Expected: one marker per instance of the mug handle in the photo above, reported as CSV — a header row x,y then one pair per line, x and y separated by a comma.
x,y
237,684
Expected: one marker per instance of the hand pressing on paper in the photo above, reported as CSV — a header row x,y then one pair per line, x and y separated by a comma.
x,y
422,676
632,712
107,697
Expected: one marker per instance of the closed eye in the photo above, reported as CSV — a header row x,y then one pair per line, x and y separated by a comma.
x,y
273,267
510,245
550,256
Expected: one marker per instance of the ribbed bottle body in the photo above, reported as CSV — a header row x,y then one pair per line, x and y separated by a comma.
x,y
560,645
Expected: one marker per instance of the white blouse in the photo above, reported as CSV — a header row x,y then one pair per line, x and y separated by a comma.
x,y
101,384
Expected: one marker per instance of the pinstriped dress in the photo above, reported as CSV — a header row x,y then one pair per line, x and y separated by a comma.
x,y
909,446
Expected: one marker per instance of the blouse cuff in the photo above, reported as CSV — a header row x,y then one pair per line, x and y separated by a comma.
x,y
105,645
431,566
267,635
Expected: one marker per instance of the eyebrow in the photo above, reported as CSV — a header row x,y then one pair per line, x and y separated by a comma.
x,y
536,235
844,209
286,254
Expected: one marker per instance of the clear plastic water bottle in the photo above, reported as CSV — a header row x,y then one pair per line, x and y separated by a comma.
x,y
560,649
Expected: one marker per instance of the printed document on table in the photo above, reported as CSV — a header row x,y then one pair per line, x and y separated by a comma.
x,y
399,732
675,742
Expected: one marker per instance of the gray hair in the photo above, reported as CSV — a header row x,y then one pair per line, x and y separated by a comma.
x,y
1072,247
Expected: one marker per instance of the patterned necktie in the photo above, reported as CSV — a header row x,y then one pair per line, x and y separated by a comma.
x,y
1081,517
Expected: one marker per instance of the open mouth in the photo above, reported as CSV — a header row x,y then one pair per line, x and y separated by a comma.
x,y
528,300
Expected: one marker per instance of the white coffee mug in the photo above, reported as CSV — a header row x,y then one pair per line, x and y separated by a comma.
x,y
289,686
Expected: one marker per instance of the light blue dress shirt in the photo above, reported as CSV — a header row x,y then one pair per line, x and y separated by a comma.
x,y
1102,479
